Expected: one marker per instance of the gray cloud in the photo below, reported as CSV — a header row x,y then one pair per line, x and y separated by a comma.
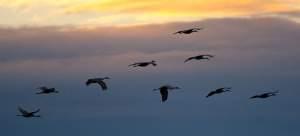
x,y
254,43
52,43
292,14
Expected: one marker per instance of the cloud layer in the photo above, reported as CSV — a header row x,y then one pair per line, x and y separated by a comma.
x,y
131,12
234,40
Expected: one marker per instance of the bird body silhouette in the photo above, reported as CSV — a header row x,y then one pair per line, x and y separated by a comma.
x,y
218,91
143,64
199,57
164,91
188,31
27,114
46,90
265,95
99,81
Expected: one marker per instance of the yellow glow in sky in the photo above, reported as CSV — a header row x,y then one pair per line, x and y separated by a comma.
x,y
130,12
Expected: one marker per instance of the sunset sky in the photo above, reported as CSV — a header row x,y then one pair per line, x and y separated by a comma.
x,y
132,12
62,43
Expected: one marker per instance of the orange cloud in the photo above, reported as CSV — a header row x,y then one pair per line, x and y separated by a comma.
x,y
129,12
199,7
150,11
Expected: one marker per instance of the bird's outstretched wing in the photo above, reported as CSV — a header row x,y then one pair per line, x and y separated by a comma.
x,y
164,94
103,85
188,59
22,110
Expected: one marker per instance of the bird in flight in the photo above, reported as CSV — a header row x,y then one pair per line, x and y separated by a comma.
x,y
164,91
99,81
218,91
143,64
46,90
265,95
200,57
188,31
28,114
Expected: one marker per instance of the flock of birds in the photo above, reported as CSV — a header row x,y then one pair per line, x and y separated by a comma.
x,y
164,90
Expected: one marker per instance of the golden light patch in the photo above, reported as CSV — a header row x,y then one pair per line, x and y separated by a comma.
x,y
120,12
179,6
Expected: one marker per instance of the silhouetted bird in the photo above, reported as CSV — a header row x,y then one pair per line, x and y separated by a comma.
x,y
99,81
199,57
164,91
218,91
27,114
46,90
143,64
265,95
188,31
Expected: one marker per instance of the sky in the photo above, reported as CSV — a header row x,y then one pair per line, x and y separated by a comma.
x,y
88,13
63,43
